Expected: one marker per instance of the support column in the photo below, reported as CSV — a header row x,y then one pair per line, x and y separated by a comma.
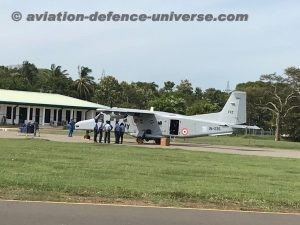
x,y
17,115
72,114
33,114
57,115
84,114
43,117
28,113
12,115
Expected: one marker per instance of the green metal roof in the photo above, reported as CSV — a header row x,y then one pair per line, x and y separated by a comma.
x,y
45,99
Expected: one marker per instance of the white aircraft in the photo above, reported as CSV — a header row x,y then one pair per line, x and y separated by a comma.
x,y
153,125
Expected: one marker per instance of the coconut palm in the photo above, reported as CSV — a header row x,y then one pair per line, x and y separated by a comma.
x,y
59,81
56,71
85,84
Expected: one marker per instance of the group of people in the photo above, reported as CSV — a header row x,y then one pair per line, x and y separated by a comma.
x,y
100,127
30,128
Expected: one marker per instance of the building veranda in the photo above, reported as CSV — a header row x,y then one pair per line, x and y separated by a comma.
x,y
19,107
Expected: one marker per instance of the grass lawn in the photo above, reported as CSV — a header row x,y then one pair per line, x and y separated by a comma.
x,y
247,140
44,170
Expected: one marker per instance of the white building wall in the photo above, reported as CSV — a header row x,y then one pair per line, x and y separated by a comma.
x,y
2,113
85,114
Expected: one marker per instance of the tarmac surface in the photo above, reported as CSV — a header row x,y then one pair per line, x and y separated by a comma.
x,y
46,213
270,152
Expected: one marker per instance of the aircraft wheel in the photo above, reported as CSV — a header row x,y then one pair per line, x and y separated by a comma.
x,y
157,141
139,140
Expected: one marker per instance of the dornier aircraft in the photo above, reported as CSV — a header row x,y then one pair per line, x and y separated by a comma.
x,y
153,125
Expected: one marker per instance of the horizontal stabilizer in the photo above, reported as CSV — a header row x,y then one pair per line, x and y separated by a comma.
x,y
245,127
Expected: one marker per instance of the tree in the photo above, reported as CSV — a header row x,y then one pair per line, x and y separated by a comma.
x,y
143,93
198,93
108,91
58,81
216,96
185,88
85,84
256,115
201,107
168,87
168,103
283,99
29,71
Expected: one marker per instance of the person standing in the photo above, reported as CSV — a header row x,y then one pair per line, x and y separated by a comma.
x,y
100,130
117,133
122,131
36,128
107,129
96,131
71,127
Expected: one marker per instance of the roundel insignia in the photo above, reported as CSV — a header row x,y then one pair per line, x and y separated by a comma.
x,y
184,131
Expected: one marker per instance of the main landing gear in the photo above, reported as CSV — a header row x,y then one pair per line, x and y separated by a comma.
x,y
140,140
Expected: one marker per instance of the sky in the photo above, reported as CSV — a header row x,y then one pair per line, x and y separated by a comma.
x,y
206,53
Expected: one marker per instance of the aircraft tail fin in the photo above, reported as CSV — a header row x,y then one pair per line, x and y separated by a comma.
x,y
234,111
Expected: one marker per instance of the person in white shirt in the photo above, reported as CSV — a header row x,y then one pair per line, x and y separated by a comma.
x,y
107,129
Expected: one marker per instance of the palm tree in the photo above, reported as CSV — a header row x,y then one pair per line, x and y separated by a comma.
x,y
59,81
57,72
85,84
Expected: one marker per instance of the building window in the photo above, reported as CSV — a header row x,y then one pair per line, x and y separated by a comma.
x,y
8,112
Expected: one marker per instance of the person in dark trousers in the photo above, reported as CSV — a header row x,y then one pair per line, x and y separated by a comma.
x,y
100,130
71,127
36,128
117,133
122,130
95,131
107,129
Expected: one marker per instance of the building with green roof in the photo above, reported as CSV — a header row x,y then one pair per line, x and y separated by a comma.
x,y
17,107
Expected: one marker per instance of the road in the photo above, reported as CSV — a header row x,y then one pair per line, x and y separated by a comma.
x,y
269,152
37,213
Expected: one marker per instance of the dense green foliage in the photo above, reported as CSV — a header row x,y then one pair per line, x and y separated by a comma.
x,y
272,101
45,170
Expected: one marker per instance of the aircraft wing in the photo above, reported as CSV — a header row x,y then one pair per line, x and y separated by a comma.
x,y
125,111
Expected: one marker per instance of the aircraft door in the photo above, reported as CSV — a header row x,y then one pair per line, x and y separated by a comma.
x,y
174,127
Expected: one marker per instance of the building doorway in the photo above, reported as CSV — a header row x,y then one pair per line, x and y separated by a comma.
x,y
68,116
78,116
47,115
37,115
22,115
